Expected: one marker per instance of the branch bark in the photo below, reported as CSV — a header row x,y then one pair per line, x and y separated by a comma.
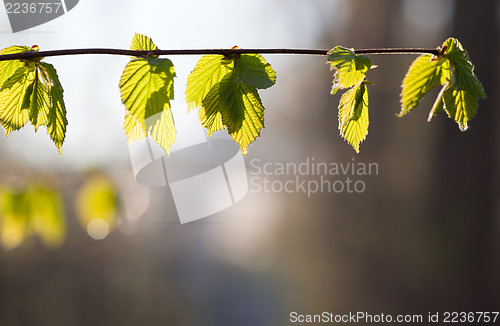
x,y
133,53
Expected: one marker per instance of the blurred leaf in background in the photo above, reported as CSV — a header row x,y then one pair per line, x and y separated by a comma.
x,y
34,209
97,206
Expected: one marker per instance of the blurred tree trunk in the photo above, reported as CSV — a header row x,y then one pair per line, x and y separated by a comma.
x,y
465,172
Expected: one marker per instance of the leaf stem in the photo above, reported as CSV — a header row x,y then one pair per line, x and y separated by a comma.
x,y
53,53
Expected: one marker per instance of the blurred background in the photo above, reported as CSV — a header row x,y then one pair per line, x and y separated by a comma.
x,y
423,236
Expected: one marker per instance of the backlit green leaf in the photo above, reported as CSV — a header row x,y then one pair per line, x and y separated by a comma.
x,y
460,105
162,129
350,68
226,92
353,115
423,75
33,92
147,86
462,70
235,106
243,104
8,67
142,43
209,114
56,121
208,72
38,98
134,130
253,70
14,104
451,68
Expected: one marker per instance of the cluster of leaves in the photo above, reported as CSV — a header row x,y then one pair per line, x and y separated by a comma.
x,y
225,90
38,210
30,90
350,73
451,68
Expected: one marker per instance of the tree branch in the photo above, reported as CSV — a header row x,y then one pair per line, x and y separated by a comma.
x,y
133,53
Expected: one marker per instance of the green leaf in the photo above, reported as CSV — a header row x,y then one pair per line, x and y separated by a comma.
x,y
353,115
55,114
142,43
208,72
424,74
226,92
460,105
147,86
209,113
254,71
451,68
37,100
462,69
14,109
134,130
162,129
229,104
350,68
34,93
8,67
243,106
235,106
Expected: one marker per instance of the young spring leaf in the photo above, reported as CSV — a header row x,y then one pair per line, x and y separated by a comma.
x,y
208,72
453,69
460,105
350,68
8,67
33,92
462,75
241,111
424,74
353,115
254,71
147,86
56,114
143,43
134,130
225,90
15,99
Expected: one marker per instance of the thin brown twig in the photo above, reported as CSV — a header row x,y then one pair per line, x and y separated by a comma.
x,y
134,53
